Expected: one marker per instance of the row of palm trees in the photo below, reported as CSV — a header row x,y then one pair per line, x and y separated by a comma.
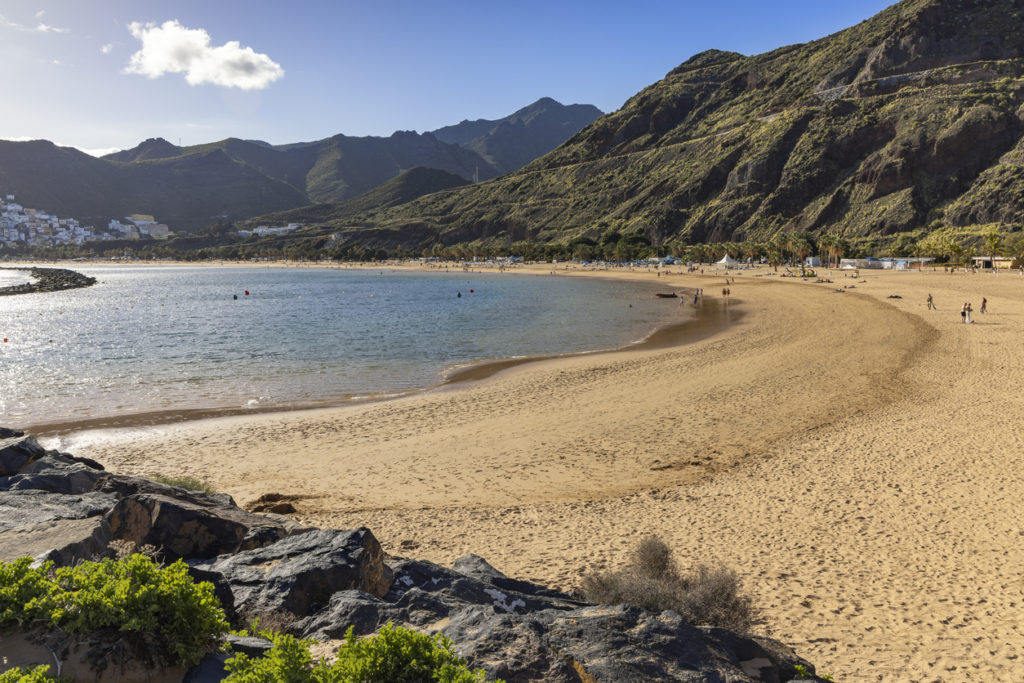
x,y
780,249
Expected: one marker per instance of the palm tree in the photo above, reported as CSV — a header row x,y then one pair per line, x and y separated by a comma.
x,y
778,245
750,250
775,254
801,247
825,245
994,243
839,248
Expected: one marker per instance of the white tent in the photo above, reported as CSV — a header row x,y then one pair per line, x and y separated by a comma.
x,y
727,262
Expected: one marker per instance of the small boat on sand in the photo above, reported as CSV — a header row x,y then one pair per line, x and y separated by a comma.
x,y
670,295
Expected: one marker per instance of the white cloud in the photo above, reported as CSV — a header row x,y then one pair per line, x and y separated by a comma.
x,y
173,48
40,13
43,28
40,27
107,48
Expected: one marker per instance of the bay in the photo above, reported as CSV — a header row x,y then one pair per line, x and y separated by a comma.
x,y
169,340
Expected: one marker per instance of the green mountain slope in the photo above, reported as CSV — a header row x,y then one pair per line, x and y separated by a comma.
x,y
405,187
910,119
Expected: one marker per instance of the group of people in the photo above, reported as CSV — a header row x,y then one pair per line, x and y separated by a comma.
x,y
965,310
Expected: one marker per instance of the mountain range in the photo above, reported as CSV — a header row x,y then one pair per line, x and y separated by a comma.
x,y
194,186
910,121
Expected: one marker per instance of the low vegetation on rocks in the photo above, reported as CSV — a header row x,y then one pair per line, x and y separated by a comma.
x,y
166,616
650,580
395,654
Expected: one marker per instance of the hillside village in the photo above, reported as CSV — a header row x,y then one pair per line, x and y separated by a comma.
x,y
37,228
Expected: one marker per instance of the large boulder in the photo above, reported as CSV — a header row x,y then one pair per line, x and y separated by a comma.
x,y
16,451
55,477
298,575
63,541
193,526
23,507
126,485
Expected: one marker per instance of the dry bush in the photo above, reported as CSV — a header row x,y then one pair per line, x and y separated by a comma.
x,y
650,580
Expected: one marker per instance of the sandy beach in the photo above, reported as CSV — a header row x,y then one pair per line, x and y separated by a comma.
x,y
853,456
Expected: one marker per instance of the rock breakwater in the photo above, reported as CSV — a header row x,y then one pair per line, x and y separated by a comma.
x,y
48,280
315,583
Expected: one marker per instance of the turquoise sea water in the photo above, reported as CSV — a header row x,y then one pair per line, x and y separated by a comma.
x,y
156,339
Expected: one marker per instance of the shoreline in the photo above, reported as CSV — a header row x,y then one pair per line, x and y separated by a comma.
x,y
709,317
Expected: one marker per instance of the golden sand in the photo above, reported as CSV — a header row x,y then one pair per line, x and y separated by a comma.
x,y
855,457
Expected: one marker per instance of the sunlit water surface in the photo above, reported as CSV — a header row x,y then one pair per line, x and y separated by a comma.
x,y
150,339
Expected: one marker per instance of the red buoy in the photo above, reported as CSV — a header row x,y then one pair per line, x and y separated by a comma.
x,y
471,291
5,340
247,292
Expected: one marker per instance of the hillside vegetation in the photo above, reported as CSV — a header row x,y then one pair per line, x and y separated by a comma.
x,y
909,121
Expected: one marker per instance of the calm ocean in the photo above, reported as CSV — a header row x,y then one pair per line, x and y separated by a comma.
x,y
175,339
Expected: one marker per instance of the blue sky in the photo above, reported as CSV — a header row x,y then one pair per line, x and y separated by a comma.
x,y
108,74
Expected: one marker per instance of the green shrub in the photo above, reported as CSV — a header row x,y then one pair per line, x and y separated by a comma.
x,y
20,586
650,580
178,619
289,661
38,674
399,655
394,655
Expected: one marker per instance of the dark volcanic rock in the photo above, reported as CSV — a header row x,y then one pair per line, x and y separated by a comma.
x,y
20,508
16,451
613,643
519,631
55,477
63,541
425,594
212,667
187,526
49,280
301,573
124,486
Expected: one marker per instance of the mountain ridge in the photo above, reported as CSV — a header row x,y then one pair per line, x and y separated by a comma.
x,y
194,186
912,117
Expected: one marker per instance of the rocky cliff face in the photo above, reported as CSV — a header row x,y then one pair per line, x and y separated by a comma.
x,y
913,116
318,582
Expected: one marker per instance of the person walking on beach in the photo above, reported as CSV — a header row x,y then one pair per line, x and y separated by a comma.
x,y
931,305
969,309
984,305
963,313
